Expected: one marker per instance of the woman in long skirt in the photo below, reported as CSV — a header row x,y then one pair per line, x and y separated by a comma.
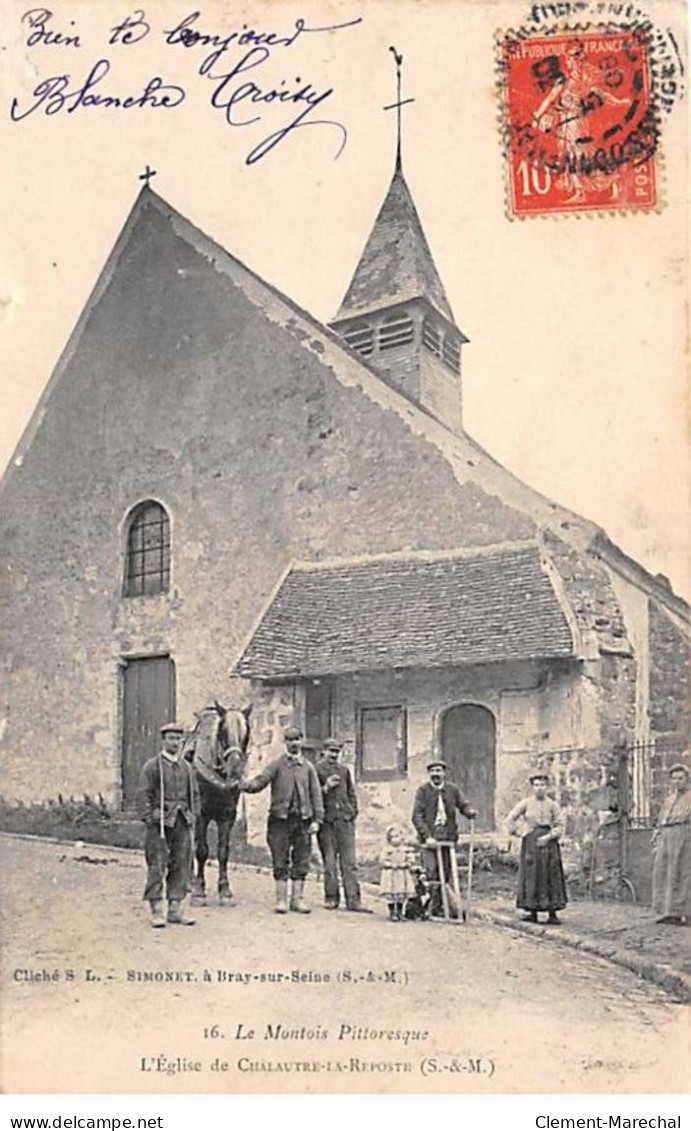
x,y
541,883
672,852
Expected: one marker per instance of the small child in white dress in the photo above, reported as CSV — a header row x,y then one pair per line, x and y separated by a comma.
x,y
396,880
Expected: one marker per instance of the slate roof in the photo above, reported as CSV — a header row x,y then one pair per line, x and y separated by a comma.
x,y
402,612
397,263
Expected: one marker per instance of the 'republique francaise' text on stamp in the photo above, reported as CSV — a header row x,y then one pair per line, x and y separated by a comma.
x,y
580,126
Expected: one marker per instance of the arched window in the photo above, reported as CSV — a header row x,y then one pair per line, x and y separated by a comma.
x,y
147,566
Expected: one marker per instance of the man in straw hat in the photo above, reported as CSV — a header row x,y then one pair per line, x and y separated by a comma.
x,y
168,804
434,819
296,811
672,851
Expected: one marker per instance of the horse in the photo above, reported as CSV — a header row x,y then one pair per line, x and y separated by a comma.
x,y
218,749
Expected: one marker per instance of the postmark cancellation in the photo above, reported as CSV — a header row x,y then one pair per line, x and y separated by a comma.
x,y
580,118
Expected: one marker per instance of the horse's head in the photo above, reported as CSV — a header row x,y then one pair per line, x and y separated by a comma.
x,y
233,738
220,742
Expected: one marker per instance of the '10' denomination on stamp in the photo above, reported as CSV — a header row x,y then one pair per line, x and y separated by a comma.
x,y
580,126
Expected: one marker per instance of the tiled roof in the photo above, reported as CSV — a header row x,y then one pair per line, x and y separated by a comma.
x,y
402,612
397,263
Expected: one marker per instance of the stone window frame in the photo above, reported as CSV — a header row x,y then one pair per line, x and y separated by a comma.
x,y
134,581
400,773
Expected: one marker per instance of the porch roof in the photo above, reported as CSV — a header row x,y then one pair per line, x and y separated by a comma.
x,y
409,611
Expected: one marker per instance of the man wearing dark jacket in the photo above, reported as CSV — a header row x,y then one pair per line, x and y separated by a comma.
x,y
168,804
434,818
337,834
296,811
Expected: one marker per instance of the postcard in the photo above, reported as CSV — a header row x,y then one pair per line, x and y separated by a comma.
x,y
345,547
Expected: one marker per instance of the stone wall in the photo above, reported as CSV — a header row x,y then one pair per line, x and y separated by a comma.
x,y
670,695
182,386
539,716
179,387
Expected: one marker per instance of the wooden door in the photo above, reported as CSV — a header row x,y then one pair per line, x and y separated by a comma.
x,y
468,746
148,703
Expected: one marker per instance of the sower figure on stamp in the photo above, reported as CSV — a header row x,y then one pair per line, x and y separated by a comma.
x,y
168,804
296,811
337,834
541,883
434,818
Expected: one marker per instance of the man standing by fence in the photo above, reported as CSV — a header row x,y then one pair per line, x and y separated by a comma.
x,y
672,851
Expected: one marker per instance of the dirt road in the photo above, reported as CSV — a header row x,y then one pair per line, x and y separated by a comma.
x,y
94,1000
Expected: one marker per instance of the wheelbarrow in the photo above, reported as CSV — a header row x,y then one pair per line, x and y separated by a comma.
x,y
455,908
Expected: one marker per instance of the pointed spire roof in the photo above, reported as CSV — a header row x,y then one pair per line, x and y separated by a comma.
x,y
397,263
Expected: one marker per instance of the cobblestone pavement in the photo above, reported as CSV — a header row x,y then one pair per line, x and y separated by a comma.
x,y
93,998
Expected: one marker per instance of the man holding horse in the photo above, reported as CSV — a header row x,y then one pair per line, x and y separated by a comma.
x,y
168,804
295,813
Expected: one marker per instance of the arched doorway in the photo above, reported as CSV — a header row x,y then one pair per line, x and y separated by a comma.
x,y
468,746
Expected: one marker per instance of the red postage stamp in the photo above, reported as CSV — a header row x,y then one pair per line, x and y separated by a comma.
x,y
580,125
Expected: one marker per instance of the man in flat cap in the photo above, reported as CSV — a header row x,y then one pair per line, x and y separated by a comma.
x,y
296,811
434,818
337,834
168,804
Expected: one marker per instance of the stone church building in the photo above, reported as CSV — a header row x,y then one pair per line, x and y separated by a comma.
x,y
220,496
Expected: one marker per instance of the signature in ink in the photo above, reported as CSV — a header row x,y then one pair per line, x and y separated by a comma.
x,y
52,95
244,101
230,95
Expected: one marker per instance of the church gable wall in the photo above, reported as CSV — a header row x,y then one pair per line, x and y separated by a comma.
x,y
181,390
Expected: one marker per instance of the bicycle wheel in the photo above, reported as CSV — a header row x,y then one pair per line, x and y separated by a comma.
x,y
627,892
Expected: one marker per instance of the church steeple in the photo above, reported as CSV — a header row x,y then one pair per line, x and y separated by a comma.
x,y
395,312
396,264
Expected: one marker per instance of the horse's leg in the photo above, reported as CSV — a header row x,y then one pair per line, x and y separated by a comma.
x,y
225,826
202,852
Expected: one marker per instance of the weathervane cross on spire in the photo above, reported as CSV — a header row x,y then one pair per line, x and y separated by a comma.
x,y
400,102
